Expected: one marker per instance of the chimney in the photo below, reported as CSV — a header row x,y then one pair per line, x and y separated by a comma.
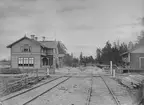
x,y
33,37
130,45
43,38
36,38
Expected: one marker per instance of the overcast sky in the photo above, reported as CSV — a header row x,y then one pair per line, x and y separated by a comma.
x,y
82,25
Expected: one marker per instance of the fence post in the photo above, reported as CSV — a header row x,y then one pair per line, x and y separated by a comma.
x,y
111,68
27,71
47,71
5,83
142,93
113,72
26,81
37,74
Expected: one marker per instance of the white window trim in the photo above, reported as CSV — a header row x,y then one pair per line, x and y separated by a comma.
x,y
26,60
31,61
26,46
20,61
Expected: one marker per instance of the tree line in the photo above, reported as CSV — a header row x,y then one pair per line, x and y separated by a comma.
x,y
70,60
110,52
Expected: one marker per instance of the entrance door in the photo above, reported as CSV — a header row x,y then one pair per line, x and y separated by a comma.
x,y
45,61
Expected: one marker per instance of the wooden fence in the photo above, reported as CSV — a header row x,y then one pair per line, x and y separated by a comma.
x,y
14,82
129,70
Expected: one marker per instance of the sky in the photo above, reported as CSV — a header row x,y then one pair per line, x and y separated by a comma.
x,y
82,25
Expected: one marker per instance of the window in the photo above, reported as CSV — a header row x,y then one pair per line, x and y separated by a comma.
x,y
31,62
20,62
25,61
26,48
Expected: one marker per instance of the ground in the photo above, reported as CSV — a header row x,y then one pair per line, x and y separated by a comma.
x,y
77,90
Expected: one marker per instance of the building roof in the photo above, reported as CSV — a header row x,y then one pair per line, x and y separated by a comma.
x,y
124,53
138,49
49,44
9,46
44,44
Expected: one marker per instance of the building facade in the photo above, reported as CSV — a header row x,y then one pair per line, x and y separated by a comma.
x,y
27,53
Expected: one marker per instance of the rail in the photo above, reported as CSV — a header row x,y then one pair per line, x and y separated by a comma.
x,y
45,91
31,89
89,93
112,94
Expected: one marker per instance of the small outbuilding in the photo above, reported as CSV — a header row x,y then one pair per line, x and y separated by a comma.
x,y
134,58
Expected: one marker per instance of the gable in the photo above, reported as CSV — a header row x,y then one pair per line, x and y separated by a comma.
x,y
18,47
25,41
25,38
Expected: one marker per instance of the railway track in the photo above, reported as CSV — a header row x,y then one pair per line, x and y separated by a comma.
x,y
90,92
91,88
54,83
26,103
34,88
30,89
112,94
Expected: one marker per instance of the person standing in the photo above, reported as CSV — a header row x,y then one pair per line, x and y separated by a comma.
x,y
47,72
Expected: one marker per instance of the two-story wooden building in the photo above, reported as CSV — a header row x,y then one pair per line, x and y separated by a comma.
x,y
27,53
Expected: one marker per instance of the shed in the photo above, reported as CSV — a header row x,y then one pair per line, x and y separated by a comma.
x,y
135,57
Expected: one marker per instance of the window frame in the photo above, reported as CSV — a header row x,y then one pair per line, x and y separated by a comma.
x,y
31,62
26,48
26,62
20,61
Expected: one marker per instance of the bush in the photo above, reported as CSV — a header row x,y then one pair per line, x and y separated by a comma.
x,y
10,71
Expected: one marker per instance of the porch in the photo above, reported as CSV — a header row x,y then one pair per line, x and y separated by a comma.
x,y
47,62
